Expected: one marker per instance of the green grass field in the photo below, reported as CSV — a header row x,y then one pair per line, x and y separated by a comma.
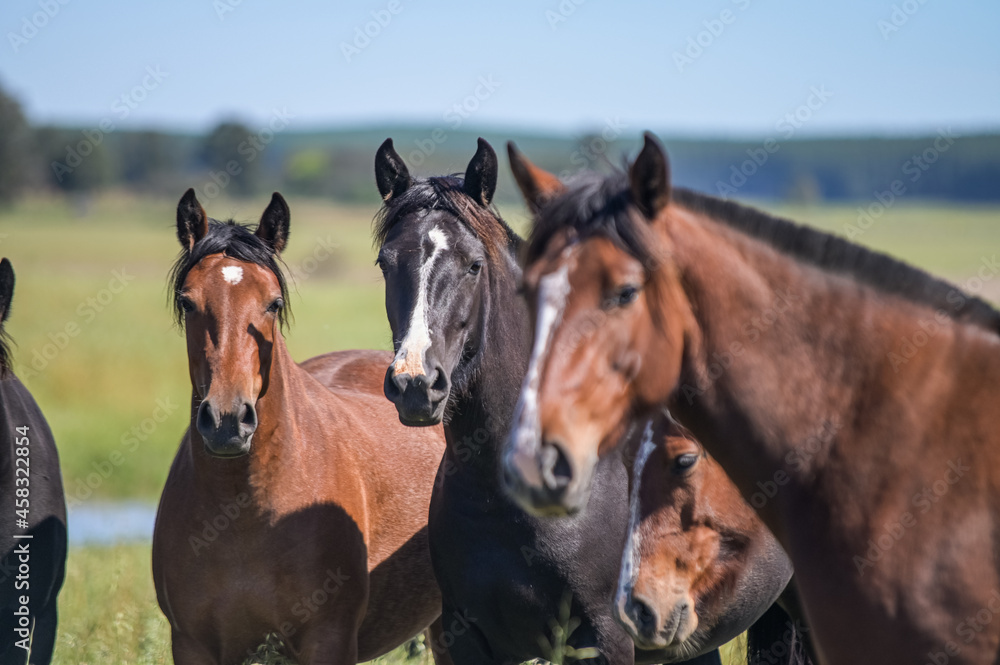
x,y
100,352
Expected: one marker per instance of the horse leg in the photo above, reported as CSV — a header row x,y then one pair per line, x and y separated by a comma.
x,y
187,651
433,636
460,642
43,638
615,647
330,643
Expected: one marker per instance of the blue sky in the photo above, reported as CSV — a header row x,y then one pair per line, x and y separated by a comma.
x,y
884,66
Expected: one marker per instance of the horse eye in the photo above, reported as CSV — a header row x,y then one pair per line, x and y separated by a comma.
x,y
186,305
276,306
627,294
476,267
684,462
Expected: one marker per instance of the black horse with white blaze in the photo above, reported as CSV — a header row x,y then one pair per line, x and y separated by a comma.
x,y
462,341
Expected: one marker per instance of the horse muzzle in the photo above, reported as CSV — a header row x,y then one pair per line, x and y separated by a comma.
x,y
420,400
226,434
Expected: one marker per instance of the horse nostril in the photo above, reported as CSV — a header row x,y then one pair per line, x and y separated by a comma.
x,y
208,419
557,472
440,381
248,419
393,385
643,616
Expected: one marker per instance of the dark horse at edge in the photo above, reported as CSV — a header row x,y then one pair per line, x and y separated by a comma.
x,y
32,513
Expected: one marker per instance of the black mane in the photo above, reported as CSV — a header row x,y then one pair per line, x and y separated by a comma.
x,y
235,241
593,204
445,193
598,205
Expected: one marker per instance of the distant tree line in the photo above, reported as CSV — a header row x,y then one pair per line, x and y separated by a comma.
x,y
238,159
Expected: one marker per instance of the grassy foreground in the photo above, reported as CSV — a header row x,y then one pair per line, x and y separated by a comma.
x,y
108,615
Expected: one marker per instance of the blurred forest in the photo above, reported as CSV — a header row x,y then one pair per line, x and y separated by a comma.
x,y
242,159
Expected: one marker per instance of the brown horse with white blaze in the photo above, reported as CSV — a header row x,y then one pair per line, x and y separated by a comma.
x,y
784,350
296,504
689,553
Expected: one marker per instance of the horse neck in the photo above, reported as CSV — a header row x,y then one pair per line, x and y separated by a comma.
x,y
787,360
482,409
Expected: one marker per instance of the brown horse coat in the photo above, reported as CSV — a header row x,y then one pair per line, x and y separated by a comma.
x,y
318,531
850,397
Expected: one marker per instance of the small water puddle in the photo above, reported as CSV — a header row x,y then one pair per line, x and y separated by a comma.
x,y
111,522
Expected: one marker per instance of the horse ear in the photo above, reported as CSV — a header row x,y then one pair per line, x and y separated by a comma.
x,y
274,223
192,222
6,288
649,178
536,185
481,174
391,174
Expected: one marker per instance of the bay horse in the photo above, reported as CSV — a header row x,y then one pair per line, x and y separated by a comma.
x,y
851,397
460,332
296,504
33,518
685,516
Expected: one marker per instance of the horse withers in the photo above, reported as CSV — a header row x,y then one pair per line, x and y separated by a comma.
x,y
33,514
788,352
462,339
296,504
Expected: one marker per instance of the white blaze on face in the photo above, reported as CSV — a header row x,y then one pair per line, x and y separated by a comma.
x,y
232,274
552,292
630,558
410,357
